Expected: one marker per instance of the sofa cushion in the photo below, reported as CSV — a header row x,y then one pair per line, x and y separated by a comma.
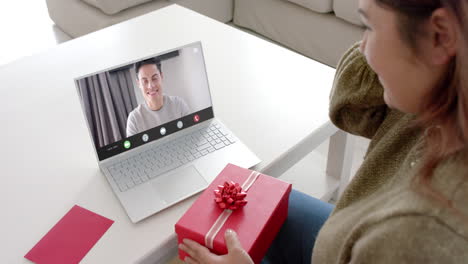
x,y
323,37
347,10
321,6
77,18
221,10
111,7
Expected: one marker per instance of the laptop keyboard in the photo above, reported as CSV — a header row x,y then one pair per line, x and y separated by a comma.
x,y
156,161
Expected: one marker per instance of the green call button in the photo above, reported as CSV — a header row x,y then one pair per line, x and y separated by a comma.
x,y
127,144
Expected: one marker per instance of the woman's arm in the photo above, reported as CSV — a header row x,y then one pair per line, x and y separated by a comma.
x,y
356,101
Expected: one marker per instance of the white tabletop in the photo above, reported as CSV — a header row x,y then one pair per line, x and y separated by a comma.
x,y
270,97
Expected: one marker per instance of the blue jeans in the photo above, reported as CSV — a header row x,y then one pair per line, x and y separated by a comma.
x,y
296,238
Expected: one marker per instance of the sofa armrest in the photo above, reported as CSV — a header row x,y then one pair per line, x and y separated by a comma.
x,y
320,6
111,7
347,10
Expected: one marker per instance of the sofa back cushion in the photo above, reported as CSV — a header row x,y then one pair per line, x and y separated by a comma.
x,y
111,7
347,10
321,6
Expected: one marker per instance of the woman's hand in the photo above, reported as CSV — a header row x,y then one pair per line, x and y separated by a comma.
x,y
202,255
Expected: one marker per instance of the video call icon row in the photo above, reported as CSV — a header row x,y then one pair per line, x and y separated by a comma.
x,y
162,131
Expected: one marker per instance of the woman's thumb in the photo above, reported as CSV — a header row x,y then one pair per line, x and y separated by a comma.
x,y
232,242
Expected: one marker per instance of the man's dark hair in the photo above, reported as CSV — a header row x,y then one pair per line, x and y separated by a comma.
x,y
156,61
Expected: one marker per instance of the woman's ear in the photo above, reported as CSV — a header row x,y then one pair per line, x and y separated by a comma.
x,y
443,33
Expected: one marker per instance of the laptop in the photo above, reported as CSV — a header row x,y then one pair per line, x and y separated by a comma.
x,y
153,127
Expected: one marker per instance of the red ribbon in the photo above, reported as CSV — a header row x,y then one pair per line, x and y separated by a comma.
x,y
230,196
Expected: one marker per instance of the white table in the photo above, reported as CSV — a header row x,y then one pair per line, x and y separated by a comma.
x,y
274,100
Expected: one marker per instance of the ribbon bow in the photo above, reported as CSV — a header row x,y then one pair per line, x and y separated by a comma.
x,y
230,196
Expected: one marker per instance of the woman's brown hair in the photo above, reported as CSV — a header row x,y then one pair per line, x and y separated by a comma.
x,y
445,114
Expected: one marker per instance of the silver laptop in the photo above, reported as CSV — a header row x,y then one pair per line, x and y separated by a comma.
x,y
153,127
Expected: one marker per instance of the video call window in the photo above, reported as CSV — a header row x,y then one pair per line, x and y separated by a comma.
x,y
128,100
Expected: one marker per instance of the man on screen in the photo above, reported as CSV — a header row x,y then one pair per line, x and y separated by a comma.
x,y
158,107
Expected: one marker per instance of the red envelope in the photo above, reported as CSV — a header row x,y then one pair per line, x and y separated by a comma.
x,y
256,224
71,238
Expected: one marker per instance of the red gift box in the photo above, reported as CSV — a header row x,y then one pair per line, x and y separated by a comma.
x,y
256,223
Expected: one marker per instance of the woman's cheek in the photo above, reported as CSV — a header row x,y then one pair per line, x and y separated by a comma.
x,y
371,60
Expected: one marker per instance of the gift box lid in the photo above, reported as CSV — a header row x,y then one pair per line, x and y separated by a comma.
x,y
264,197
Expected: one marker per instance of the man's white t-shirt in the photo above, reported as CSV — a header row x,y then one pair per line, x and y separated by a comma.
x,y
143,118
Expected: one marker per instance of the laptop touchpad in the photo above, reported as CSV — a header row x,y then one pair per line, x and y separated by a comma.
x,y
180,184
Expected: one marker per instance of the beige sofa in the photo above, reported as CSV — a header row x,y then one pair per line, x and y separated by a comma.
x,y
319,29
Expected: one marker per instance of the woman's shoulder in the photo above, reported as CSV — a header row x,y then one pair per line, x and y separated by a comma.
x,y
450,180
412,213
440,205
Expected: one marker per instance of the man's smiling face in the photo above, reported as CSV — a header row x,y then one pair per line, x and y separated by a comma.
x,y
150,83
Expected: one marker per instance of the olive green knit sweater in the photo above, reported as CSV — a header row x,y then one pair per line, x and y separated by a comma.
x,y
380,218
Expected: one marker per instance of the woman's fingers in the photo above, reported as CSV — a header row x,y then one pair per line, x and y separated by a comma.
x,y
202,255
236,252
196,251
190,260
232,242
186,249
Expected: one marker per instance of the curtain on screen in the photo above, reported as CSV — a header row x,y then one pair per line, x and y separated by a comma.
x,y
108,98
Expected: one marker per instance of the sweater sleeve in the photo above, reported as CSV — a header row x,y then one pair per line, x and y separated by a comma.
x,y
356,101
410,239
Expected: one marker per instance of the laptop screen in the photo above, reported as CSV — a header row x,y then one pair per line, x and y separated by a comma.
x,y
133,104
